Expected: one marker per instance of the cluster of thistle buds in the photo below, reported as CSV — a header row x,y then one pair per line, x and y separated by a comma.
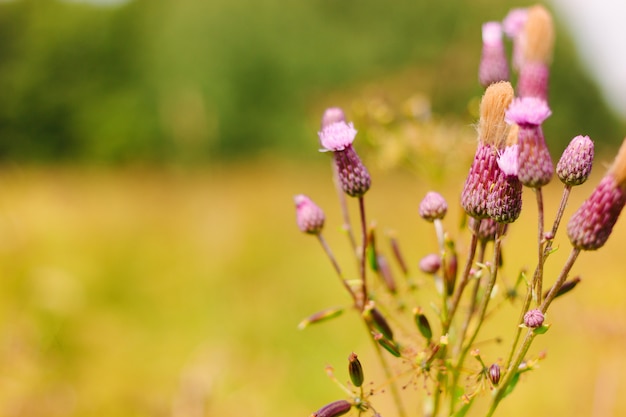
x,y
511,155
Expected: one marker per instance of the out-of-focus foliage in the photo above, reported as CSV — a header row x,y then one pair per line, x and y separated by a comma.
x,y
192,79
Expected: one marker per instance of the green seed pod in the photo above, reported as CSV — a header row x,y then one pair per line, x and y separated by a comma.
x,y
389,345
320,316
376,320
355,370
422,323
334,409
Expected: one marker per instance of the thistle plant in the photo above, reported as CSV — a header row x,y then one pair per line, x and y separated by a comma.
x,y
511,154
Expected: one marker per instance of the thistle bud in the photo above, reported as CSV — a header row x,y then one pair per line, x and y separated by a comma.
x,y
355,370
430,264
535,163
575,164
334,409
451,267
433,206
533,318
422,323
592,224
493,63
486,230
504,202
309,216
353,175
494,374
386,274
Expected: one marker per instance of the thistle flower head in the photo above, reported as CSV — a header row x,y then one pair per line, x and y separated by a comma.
x,y
332,115
493,62
430,264
433,206
535,163
504,201
309,216
514,22
354,177
591,225
528,111
533,318
486,229
575,164
337,136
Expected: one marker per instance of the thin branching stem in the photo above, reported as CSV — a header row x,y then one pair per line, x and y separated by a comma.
x,y
464,278
345,214
538,277
363,251
333,261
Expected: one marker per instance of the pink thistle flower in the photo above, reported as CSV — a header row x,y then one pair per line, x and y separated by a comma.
x,y
504,202
493,62
309,216
591,225
430,264
535,163
337,136
333,115
533,318
508,160
513,27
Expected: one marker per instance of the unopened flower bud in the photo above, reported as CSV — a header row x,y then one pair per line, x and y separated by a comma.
x,y
433,206
575,164
309,216
334,409
504,202
389,345
422,324
537,47
355,370
451,267
430,264
494,374
533,318
320,316
493,62
565,288
376,320
513,27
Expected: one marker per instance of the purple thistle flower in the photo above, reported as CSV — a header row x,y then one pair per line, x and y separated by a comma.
x,y
482,175
433,206
508,160
493,63
309,216
337,136
353,175
533,318
504,201
430,264
535,163
592,224
513,26
575,164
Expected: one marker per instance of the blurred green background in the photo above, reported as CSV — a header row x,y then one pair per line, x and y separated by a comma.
x,y
151,265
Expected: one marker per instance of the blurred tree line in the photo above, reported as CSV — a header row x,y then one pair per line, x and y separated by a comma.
x,y
198,80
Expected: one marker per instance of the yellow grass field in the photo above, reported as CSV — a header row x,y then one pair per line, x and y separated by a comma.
x,y
177,292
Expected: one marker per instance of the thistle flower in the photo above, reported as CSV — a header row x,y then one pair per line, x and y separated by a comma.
x,y
592,224
537,45
430,264
492,133
433,206
533,318
309,216
493,63
504,202
535,163
354,177
513,27
575,164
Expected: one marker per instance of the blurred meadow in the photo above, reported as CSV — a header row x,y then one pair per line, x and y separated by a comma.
x,y
151,264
